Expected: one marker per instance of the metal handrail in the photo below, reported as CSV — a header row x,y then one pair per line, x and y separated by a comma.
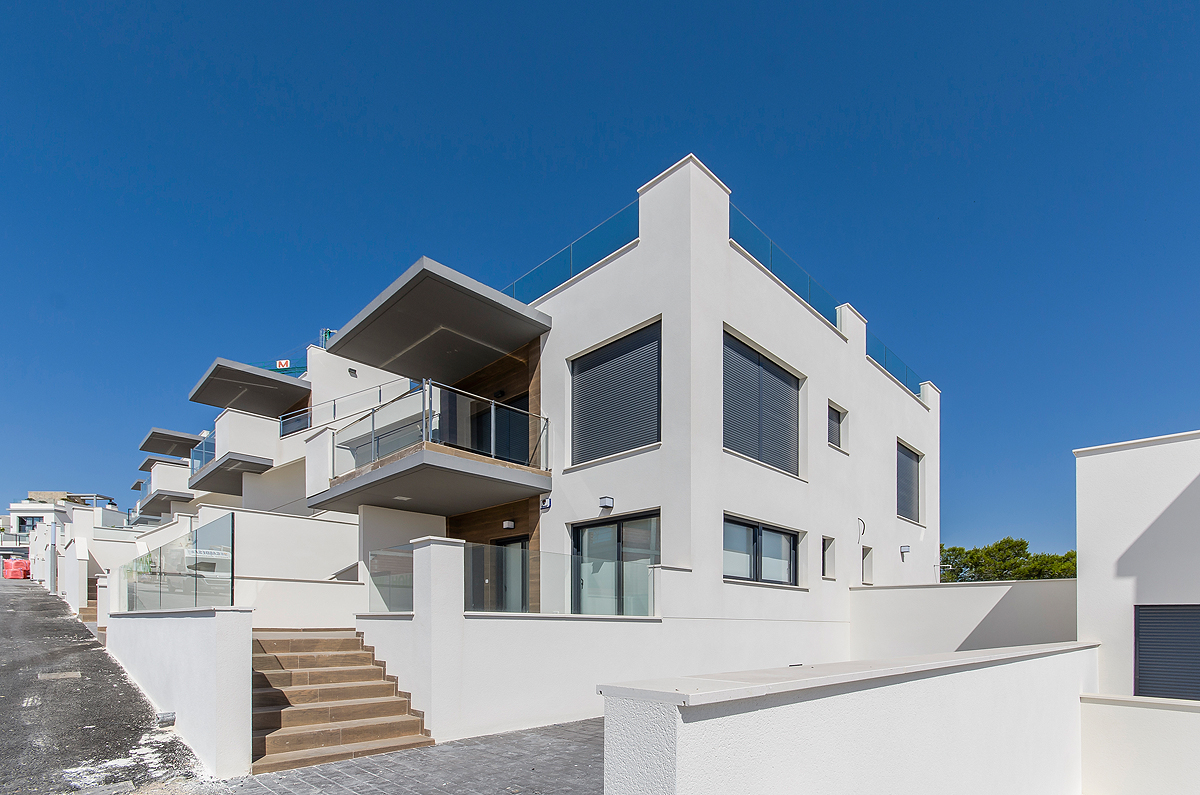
x,y
284,418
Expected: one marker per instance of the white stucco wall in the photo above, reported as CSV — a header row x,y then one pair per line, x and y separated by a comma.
x,y
1137,745
947,724
279,490
195,663
930,619
1136,509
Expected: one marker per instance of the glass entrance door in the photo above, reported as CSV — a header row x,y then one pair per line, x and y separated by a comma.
x,y
612,567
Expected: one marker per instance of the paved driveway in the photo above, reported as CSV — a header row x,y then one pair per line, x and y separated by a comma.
x,y
567,758
69,717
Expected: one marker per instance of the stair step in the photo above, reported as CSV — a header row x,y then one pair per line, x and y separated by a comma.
x,y
306,642
317,756
314,694
320,659
279,716
318,676
324,735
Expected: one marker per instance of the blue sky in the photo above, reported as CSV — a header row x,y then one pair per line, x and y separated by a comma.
x,y
1008,192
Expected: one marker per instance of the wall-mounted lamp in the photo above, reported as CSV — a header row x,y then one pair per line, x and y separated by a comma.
x,y
353,373
903,551
544,504
606,502
509,524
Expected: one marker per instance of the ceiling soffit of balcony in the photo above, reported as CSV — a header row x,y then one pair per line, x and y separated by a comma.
x,y
173,443
434,482
151,460
160,502
434,322
224,476
233,385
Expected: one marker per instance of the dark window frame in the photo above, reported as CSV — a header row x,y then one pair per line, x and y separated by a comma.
x,y
756,554
916,459
832,425
773,379
577,554
577,367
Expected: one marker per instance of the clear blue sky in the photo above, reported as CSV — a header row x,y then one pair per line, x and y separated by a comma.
x,y
1009,193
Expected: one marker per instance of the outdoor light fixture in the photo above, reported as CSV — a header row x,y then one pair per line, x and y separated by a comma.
x,y
509,524
903,551
353,373
544,504
606,502
403,499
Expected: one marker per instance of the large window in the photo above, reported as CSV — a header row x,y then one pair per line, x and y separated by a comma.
x,y
616,396
759,553
908,482
762,407
612,563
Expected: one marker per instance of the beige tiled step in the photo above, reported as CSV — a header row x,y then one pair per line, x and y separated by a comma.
x,y
317,756
324,735
305,642
318,676
278,716
324,659
314,694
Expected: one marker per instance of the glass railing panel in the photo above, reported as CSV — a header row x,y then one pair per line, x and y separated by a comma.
x,y
391,575
177,584
294,422
461,420
611,235
210,561
353,445
893,364
398,425
543,278
743,231
194,570
204,452
497,578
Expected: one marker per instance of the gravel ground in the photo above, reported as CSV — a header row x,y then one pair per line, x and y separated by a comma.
x,y
70,719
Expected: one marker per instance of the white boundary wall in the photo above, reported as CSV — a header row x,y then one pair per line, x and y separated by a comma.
x,y
896,621
195,663
1134,745
985,722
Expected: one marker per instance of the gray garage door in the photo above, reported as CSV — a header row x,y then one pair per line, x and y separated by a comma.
x,y
1167,651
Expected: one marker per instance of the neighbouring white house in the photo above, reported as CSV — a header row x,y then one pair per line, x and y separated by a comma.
x,y
666,450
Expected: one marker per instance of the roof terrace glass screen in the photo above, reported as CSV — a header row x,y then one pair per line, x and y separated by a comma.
x,y
616,396
762,407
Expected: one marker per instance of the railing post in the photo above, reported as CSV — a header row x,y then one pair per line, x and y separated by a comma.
x,y
493,424
374,441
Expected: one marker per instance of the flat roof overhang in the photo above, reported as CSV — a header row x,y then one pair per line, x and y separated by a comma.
x,y
224,476
435,480
434,322
233,385
175,443
151,460
159,502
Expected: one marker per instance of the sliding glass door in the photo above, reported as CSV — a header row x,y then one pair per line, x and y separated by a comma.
x,y
612,566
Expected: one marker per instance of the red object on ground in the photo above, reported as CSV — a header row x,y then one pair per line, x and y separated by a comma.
x,y
16,569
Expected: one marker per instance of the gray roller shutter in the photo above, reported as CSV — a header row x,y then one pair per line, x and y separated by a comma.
x,y
761,407
908,483
1167,651
835,427
616,396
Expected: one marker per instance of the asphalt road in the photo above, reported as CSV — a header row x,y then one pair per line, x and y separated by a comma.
x,y
70,719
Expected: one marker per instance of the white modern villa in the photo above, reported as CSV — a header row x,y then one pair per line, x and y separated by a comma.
x,y
664,452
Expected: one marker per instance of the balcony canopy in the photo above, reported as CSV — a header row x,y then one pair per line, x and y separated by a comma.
x,y
233,385
434,322
174,443
436,481
224,476
159,502
151,460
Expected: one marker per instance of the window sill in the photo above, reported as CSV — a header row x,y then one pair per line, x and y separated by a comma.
x,y
910,521
745,457
610,458
833,446
828,579
776,585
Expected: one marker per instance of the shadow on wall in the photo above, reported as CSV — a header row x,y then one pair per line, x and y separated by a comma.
x,y
1009,622
1163,558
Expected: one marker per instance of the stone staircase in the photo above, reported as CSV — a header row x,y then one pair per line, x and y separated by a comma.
x,y
320,696
87,613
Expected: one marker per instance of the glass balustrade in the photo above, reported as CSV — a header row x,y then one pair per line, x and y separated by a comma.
x,y
752,239
443,415
391,573
345,406
204,452
194,570
619,230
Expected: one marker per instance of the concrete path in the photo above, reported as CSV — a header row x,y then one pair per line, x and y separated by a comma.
x,y
69,717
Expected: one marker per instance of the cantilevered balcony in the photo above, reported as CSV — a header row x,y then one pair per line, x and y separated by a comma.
x,y
239,443
233,385
437,450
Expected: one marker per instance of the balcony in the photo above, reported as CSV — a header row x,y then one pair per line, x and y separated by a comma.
x,y
168,443
438,322
233,385
437,450
239,443
165,483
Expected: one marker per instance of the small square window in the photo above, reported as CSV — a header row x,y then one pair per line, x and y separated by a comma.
x,y
762,554
827,560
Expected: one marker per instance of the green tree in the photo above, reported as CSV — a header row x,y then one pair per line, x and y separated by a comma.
x,y
1007,559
